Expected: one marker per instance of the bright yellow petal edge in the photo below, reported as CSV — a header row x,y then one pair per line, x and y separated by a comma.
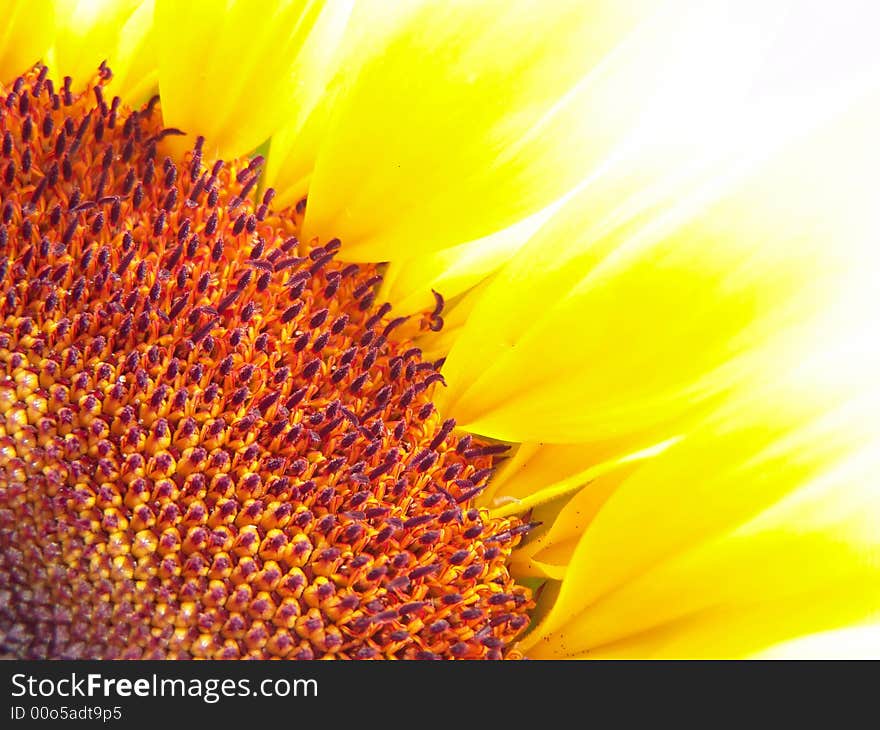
x,y
669,280
756,529
226,68
27,31
88,33
463,121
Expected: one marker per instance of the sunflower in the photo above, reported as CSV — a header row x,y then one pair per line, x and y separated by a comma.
x,y
433,329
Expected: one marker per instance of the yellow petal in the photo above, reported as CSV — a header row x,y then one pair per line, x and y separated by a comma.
x,y
452,271
651,294
315,83
225,68
27,30
88,33
856,642
756,530
134,61
548,552
543,476
455,315
539,473
465,118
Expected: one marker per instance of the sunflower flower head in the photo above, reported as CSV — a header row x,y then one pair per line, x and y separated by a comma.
x,y
476,267
209,445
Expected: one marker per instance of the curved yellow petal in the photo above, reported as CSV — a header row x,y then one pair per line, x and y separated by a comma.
x,y
316,80
455,315
756,530
855,642
539,473
548,552
465,118
27,31
225,68
452,271
88,33
648,297
543,476
743,631
134,61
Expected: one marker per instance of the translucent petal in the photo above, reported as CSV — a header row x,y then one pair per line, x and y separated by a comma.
x,y
456,313
89,33
539,473
225,68
756,530
548,553
27,30
317,76
134,62
742,632
451,271
855,642
666,283
465,118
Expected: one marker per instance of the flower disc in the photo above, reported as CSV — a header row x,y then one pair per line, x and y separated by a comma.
x,y
209,447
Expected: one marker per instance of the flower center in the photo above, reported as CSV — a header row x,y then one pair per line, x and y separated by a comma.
x,y
209,446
